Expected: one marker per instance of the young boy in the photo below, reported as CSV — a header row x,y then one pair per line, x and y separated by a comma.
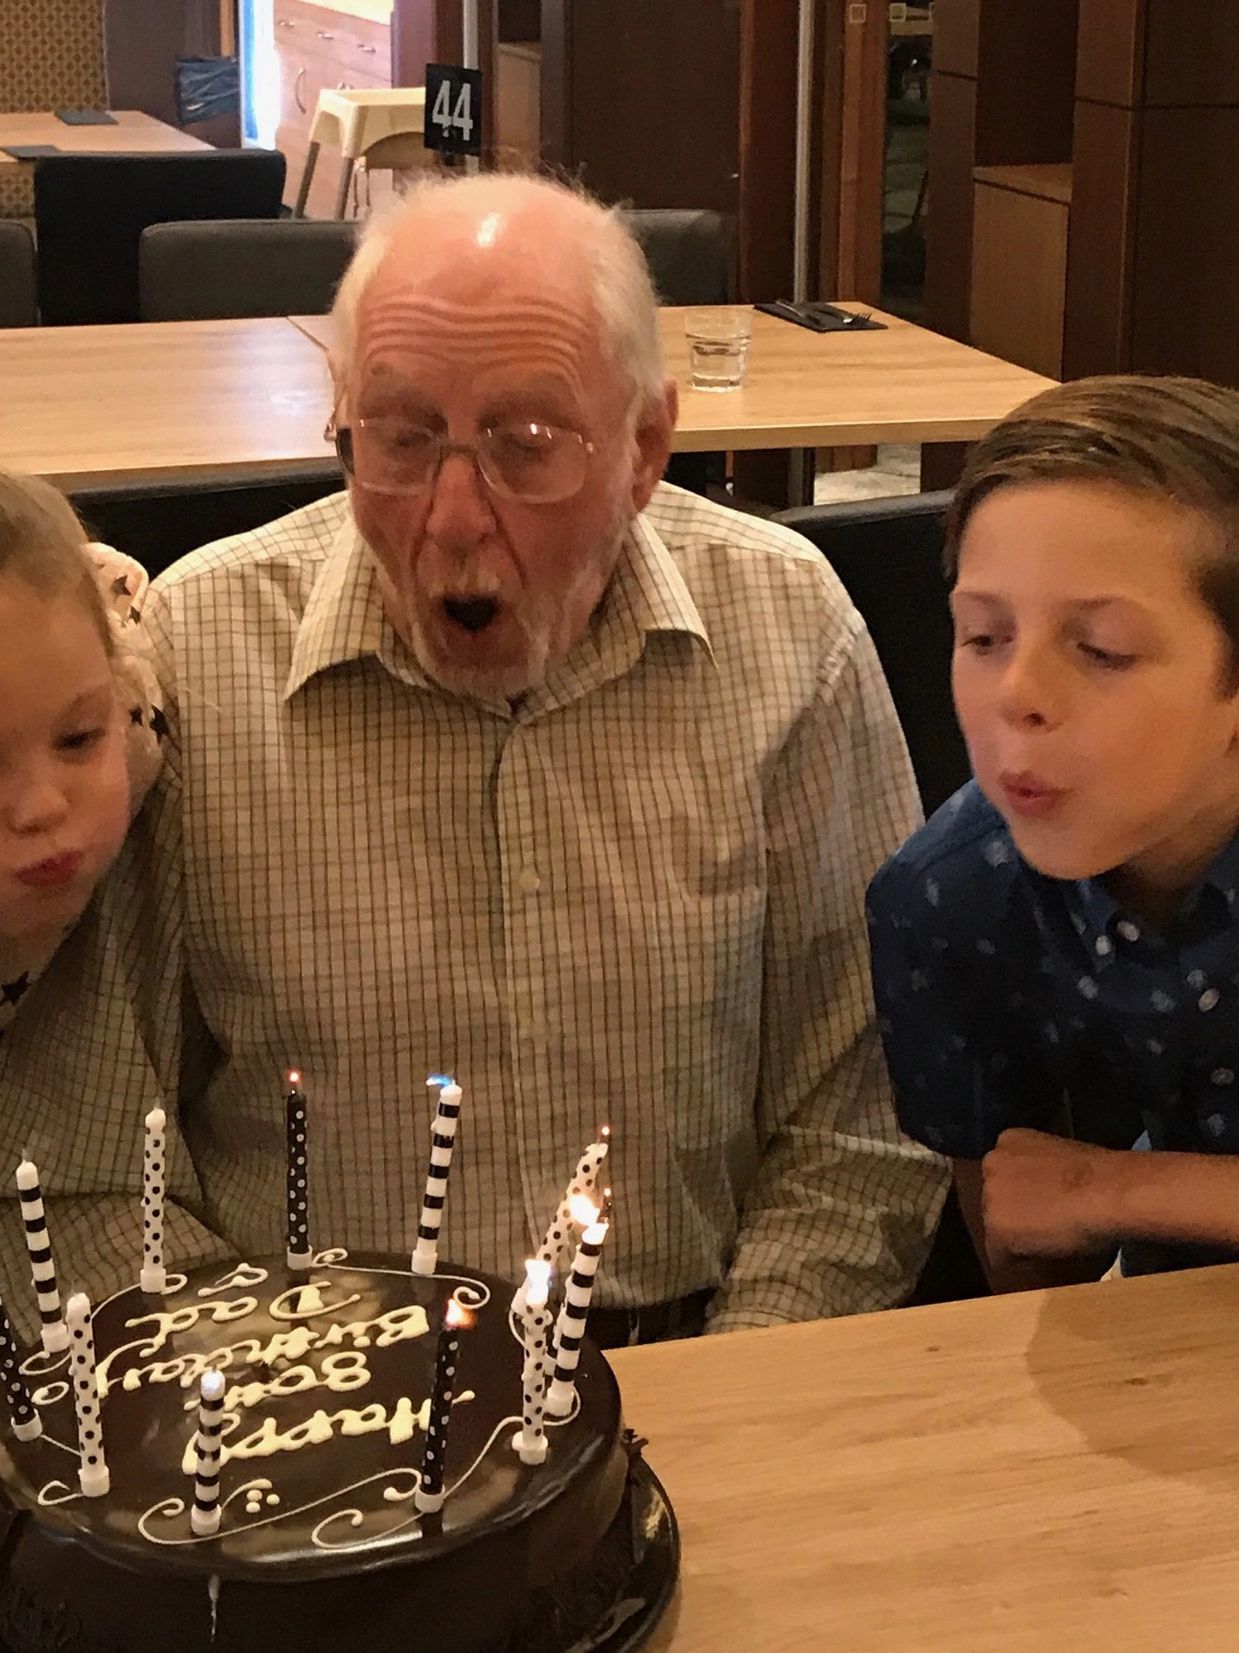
x,y
1063,935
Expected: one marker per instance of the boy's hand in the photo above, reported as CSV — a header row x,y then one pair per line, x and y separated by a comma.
x,y
1044,1196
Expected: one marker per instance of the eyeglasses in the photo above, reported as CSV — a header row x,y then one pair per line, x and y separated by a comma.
x,y
519,459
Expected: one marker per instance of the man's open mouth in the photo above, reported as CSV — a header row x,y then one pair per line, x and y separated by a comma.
x,y
471,613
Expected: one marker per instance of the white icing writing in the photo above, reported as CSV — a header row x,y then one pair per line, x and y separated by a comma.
x,y
341,1373
50,1394
245,1275
165,1325
304,1301
269,1439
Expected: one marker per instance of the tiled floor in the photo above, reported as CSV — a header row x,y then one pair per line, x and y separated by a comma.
x,y
898,471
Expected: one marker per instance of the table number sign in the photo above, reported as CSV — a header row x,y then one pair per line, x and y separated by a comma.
x,y
453,109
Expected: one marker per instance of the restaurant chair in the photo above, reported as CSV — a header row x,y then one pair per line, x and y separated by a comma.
x,y
19,305
888,553
691,256
689,251
241,267
90,211
159,522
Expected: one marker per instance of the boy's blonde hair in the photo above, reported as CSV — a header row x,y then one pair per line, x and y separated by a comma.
x,y
1168,438
1171,439
42,543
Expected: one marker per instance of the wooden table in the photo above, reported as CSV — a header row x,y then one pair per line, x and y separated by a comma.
x,y
1053,1472
87,405
833,390
133,133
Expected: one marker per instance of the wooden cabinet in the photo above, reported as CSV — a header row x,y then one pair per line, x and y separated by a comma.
x,y
318,47
1019,264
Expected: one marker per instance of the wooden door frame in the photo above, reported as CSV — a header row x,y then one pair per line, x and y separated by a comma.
x,y
852,54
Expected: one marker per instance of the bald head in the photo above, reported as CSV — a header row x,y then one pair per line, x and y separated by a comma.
x,y
523,241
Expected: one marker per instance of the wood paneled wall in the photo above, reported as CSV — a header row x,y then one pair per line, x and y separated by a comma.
x,y
1151,282
1002,93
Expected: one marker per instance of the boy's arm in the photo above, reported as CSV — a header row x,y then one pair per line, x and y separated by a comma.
x,y
1004,1271
1045,1197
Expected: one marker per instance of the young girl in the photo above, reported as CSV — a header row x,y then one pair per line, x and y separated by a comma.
x,y
78,723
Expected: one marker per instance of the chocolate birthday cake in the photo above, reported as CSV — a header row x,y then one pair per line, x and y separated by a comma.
x,y
328,1374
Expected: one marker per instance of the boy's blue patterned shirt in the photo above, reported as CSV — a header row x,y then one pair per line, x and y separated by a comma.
x,y
1007,998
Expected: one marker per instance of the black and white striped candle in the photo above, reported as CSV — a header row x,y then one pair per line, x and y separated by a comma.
x,y
42,1268
299,1253
571,1326
429,1495
530,1438
25,1421
153,1276
425,1257
204,1515
92,1475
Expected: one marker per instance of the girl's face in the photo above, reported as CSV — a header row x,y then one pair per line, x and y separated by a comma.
x,y
64,789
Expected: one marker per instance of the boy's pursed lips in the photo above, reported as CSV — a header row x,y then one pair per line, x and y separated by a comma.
x,y
1027,793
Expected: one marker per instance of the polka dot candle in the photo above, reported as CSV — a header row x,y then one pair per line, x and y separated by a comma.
x,y
429,1495
92,1474
560,1242
153,1276
25,1420
530,1439
296,1119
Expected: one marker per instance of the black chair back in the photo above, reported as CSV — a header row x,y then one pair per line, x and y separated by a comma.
x,y
691,256
159,522
689,251
90,211
888,553
242,267
18,290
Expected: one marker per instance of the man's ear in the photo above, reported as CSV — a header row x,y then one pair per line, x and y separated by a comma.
x,y
655,424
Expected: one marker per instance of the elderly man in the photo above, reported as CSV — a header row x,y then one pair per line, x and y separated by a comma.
x,y
510,762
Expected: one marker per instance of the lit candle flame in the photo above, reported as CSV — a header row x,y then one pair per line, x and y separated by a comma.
x,y
582,1210
537,1282
294,1077
457,1314
604,1135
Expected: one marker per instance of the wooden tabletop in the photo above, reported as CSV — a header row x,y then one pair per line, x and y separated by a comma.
x,y
85,405
900,384
157,400
1031,1474
132,133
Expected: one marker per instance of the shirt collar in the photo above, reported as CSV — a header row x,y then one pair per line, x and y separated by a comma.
x,y
1213,899
345,620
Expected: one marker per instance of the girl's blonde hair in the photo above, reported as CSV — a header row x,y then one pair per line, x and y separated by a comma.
x,y
42,543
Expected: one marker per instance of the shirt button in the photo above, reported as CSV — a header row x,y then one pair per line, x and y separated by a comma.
x,y
528,881
1209,998
1103,946
1222,1076
1128,930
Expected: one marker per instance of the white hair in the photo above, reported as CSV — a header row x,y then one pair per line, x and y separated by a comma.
x,y
620,286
